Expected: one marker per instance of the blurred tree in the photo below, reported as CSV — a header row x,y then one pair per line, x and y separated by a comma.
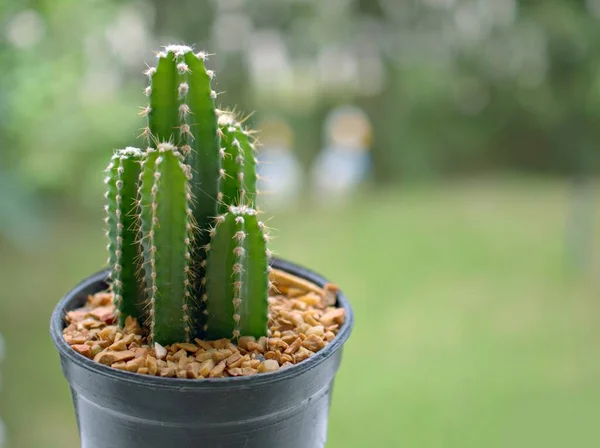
x,y
452,86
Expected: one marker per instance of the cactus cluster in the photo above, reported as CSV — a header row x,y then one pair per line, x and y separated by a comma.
x,y
188,254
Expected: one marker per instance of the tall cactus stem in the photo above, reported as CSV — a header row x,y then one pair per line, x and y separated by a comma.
x,y
182,111
122,177
169,236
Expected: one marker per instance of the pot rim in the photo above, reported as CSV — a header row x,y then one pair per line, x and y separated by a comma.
x,y
57,325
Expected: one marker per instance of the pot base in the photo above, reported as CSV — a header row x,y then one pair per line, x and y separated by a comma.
x,y
115,409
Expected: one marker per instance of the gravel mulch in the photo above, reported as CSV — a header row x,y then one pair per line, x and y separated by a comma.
x,y
302,321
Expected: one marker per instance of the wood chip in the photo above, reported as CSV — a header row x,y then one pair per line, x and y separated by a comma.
x,y
132,326
206,367
217,370
311,299
318,330
313,343
179,355
233,358
244,371
151,365
160,351
218,356
294,347
168,371
300,324
109,357
220,343
244,340
255,347
193,370
333,316
302,354
283,280
104,314
122,343
191,348
270,365
119,366
108,333
330,294
135,364
83,349
203,344
202,356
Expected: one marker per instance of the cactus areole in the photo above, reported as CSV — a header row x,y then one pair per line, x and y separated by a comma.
x,y
188,350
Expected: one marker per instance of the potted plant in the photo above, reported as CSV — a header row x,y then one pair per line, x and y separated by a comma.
x,y
194,336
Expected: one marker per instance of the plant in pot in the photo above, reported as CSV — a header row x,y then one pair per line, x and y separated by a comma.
x,y
194,336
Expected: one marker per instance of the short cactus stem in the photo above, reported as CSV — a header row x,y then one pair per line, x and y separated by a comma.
x,y
122,178
237,284
238,164
167,231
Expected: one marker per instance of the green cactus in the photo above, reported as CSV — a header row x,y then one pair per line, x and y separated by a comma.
x,y
168,259
237,282
187,250
122,177
182,111
238,169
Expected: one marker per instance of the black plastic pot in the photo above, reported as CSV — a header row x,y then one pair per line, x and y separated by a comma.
x,y
115,409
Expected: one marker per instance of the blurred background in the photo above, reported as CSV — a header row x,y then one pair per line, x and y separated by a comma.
x,y
438,159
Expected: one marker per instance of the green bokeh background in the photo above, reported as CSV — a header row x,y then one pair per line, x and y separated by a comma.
x,y
471,257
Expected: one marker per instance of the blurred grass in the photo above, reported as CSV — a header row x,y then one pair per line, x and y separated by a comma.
x,y
470,330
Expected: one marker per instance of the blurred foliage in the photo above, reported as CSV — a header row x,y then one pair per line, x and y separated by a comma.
x,y
452,86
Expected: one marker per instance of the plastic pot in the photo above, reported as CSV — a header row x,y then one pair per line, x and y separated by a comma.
x,y
116,409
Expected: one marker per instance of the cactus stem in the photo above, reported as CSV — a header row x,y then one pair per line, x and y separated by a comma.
x,y
120,220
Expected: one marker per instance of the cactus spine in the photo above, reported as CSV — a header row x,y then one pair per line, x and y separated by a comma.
x,y
168,259
199,173
238,170
122,176
237,284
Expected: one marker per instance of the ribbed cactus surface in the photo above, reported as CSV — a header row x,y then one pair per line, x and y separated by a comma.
x,y
121,179
168,260
238,165
237,284
182,111
188,254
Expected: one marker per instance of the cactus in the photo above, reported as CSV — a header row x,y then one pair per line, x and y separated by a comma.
x,y
237,283
238,169
182,111
122,177
166,203
187,251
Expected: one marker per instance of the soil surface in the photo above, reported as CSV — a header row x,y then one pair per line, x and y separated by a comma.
x,y
302,321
